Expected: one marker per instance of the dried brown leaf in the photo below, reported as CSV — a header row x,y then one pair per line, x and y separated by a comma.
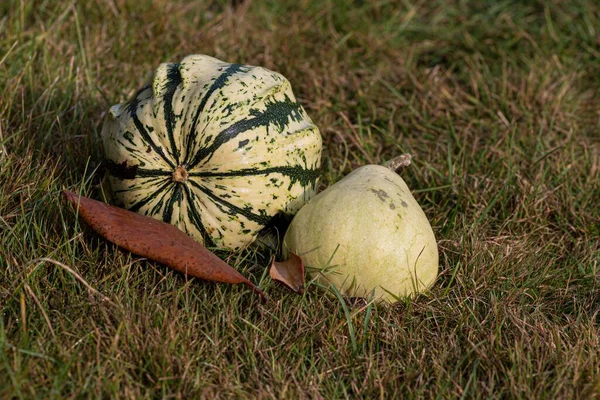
x,y
289,272
156,240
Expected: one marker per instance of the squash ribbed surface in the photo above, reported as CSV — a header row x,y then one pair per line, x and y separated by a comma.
x,y
216,149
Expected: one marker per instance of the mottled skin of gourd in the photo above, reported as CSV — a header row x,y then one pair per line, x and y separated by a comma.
x,y
214,148
367,232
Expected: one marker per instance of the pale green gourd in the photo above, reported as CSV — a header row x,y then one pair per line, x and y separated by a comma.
x,y
365,234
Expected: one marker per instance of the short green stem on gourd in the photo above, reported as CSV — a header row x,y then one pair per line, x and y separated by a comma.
x,y
398,162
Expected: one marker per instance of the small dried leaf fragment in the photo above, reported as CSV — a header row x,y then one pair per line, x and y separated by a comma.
x,y
289,272
156,240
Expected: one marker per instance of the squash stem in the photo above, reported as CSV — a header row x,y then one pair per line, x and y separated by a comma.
x,y
180,174
398,162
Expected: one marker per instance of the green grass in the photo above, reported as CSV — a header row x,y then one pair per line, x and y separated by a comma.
x,y
498,101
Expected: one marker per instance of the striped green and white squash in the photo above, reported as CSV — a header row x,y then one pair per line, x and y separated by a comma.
x,y
216,149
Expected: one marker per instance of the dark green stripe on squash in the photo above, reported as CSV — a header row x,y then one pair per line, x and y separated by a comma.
x,y
175,198
216,85
196,218
141,203
296,173
148,182
132,109
277,112
124,172
233,209
173,81
163,202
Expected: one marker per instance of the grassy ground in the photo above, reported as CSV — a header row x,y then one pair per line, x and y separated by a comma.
x,y
499,102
